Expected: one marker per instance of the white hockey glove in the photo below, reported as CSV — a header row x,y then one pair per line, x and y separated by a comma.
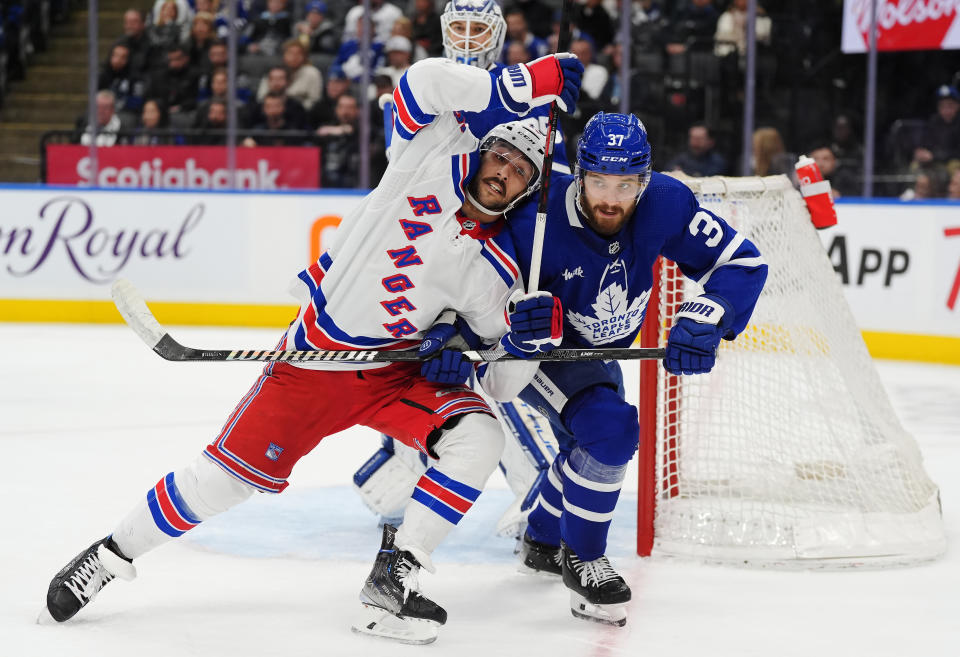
x,y
554,77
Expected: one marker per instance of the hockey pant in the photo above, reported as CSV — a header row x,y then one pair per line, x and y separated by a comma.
x,y
598,432
284,416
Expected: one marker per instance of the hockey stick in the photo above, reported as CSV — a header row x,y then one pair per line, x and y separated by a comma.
x,y
134,311
536,253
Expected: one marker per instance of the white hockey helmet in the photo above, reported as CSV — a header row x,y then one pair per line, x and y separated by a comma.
x,y
467,44
523,136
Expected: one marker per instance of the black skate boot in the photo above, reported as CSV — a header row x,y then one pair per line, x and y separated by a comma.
x,y
81,579
597,592
391,595
539,558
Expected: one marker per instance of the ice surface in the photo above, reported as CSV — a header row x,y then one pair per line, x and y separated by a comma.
x,y
90,419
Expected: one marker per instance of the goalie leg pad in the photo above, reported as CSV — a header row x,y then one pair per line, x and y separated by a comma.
x,y
386,481
179,502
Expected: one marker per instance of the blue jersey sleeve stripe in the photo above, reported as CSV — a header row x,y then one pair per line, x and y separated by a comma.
x,y
458,177
404,94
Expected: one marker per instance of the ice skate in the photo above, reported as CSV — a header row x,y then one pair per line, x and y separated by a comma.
x,y
393,606
597,592
80,580
538,558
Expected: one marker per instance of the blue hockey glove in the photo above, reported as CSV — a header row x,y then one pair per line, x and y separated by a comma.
x,y
448,366
536,324
554,77
698,327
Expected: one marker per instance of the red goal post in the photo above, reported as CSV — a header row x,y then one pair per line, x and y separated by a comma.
x,y
789,452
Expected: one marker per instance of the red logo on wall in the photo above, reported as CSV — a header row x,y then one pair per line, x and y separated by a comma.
x,y
185,167
905,24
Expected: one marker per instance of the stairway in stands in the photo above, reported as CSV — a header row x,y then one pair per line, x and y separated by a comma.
x,y
54,93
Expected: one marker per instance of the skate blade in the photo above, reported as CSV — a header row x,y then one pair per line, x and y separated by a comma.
x,y
374,621
44,617
540,574
606,614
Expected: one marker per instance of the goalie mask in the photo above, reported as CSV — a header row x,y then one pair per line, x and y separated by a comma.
x,y
510,141
614,144
473,32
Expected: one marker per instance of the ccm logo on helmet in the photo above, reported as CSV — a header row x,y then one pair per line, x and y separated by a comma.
x,y
612,158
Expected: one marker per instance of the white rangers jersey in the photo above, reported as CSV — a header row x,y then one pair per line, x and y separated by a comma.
x,y
406,254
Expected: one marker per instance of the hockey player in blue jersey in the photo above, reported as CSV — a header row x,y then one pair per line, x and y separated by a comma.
x,y
606,226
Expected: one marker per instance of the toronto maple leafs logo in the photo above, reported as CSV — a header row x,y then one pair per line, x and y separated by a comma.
x,y
616,316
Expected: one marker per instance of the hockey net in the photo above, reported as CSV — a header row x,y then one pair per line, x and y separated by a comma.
x,y
789,452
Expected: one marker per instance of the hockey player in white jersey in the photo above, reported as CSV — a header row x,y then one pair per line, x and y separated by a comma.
x,y
606,225
473,33
426,242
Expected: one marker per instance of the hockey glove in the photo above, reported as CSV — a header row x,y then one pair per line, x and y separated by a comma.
x,y
447,367
536,324
698,326
554,77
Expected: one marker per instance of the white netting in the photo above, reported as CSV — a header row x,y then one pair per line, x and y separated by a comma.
x,y
789,452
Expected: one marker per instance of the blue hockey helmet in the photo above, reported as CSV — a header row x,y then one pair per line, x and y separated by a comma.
x,y
478,34
614,144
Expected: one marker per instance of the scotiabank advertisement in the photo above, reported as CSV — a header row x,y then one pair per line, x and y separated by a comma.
x,y
902,25
184,167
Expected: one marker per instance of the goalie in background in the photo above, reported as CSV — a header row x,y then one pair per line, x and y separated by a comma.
x,y
605,227
427,243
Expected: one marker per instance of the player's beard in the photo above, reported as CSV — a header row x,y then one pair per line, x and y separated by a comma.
x,y
606,218
490,200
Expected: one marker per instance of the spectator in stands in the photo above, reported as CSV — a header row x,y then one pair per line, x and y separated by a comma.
x,y
109,122
701,157
341,146
306,82
202,36
218,91
273,119
518,31
322,112
212,124
399,52
925,187
117,76
221,21
135,38
595,76
844,142
843,181
403,27
731,34
515,53
692,26
277,82
384,15
641,96
770,156
166,30
594,21
349,56
270,30
940,143
953,188
176,86
427,32
153,120
538,15
316,32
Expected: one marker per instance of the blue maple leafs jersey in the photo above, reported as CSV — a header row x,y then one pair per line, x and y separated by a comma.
x,y
604,283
